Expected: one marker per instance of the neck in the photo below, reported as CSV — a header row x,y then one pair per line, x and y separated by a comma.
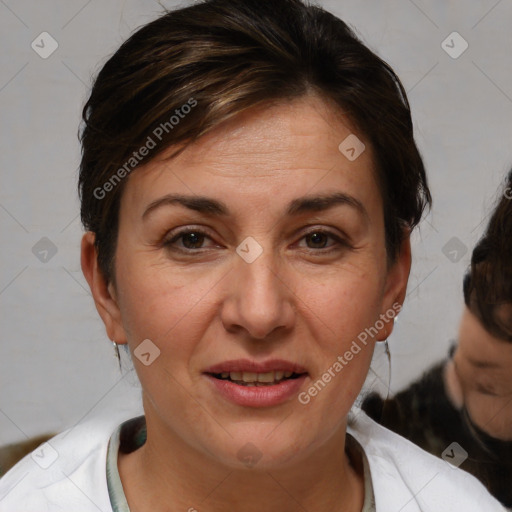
x,y
166,470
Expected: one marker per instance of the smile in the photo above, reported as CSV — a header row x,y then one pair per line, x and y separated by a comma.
x,y
257,379
251,383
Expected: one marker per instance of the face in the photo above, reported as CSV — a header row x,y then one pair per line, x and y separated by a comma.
x,y
483,366
256,254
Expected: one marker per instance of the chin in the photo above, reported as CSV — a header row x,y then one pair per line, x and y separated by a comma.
x,y
261,451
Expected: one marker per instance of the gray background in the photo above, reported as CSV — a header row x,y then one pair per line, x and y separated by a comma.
x,y
57,365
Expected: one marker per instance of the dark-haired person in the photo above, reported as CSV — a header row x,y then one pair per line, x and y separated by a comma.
x,y
249,181
467,398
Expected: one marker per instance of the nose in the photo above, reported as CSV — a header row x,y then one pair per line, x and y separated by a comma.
x,y
259,299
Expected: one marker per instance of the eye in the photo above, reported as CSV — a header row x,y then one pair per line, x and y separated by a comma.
x,y
318,239
486,390
190,239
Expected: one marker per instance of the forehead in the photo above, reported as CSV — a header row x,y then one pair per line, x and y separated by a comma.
x,y
265,155
480,348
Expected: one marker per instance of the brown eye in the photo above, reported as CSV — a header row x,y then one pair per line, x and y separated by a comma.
x,y
323,241
192,240
187,240
318,239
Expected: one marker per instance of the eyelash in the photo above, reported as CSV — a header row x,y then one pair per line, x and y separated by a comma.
x,y
180,234
485,390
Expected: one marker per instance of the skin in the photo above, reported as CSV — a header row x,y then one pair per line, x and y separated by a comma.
x,y
296,301
479,377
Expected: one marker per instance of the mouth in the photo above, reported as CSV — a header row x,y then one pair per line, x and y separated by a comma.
x,y
262,379
254,384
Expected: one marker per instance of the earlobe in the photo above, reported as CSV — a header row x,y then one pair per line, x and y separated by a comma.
x,y
396,287
102,290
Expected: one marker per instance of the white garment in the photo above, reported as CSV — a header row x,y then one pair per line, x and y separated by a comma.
x,y
405,478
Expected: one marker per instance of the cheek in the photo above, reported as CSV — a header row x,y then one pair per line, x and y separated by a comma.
x,y
490,414
167,307
171,310
342,315
344,305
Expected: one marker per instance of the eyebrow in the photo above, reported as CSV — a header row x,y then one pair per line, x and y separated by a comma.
x,y
298,206
483,364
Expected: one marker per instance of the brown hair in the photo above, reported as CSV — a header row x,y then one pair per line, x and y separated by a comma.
x,y
488,283
220,57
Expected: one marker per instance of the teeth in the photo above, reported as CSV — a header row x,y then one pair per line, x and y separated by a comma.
x,y
235,375
249,377
266,377
252,378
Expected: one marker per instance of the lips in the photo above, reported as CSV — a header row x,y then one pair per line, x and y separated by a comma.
x,y
246,365
256,379
257,384
257,395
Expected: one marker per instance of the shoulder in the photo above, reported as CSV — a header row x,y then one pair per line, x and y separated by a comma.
x,y
68,472
407,478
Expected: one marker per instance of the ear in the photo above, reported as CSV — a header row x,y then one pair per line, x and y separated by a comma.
x,y
102,291
395,287
452,384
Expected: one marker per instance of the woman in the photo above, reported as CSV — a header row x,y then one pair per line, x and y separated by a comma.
x,y
467,397
249,181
